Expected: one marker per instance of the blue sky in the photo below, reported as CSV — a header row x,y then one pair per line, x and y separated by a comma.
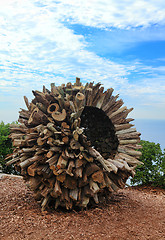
x,y
119,43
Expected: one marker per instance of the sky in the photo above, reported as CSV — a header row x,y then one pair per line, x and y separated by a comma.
x,y
118,43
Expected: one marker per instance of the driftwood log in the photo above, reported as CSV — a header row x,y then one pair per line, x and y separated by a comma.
x,y
74,145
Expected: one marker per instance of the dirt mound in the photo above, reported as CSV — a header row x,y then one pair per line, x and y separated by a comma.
x,y
132,213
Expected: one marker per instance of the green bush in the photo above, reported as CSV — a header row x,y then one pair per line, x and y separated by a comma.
x,y
152,172
5,148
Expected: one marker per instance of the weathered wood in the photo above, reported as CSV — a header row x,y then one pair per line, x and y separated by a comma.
x,y
57,189
132,135
53,159
71,165
70,182
32,169
98,176
52,108
69,157
117,112
108,95
93,186
110,184
73,194
125,131
13,160
59,116
33,183
129,152
128,141
61,177
99,158
129,159
29,161
26,102
91,168
123,126
80,100
62,162
78,172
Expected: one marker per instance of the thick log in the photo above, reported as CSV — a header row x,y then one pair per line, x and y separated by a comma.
x,y
70,182
110,165
84,201
100,101
41,107
19,143
128,141
80,100
45,202
129,159
117,112
71,165
110,184
111,102
29,161
61,177
27,102
59,116
54,107
108,95
129,152
32,169
78,172
91,168
125,131
99,158
53,159
98,177
62,162
73,194
14,160
40,97
57,189
115,107
33,183
133,135
80,162
88,192
87,157
93,186
121,117
74,144
123,126
98,95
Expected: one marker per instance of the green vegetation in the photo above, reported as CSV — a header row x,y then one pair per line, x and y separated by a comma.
x,y
153,170
5,148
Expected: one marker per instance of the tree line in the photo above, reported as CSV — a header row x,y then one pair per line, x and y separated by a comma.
x,y
151,173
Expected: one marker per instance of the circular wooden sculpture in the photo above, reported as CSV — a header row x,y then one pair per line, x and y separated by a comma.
x,y
75,143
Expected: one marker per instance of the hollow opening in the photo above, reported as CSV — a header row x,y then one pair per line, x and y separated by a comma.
x,y
100,131
52,108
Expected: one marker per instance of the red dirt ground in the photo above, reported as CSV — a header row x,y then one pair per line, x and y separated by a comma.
x,y
132,213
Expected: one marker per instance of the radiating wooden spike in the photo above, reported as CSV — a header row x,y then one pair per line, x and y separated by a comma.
x,y
117,112
26,102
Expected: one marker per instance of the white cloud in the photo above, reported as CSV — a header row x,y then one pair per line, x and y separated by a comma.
x,y
37,47
35,39
112,13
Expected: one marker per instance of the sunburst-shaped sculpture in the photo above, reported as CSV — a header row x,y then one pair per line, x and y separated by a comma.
x,y
74,145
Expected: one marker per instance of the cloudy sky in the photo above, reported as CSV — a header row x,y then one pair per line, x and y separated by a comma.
x,y
119,43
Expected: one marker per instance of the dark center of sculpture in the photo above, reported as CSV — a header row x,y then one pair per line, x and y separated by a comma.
x,y
100,131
